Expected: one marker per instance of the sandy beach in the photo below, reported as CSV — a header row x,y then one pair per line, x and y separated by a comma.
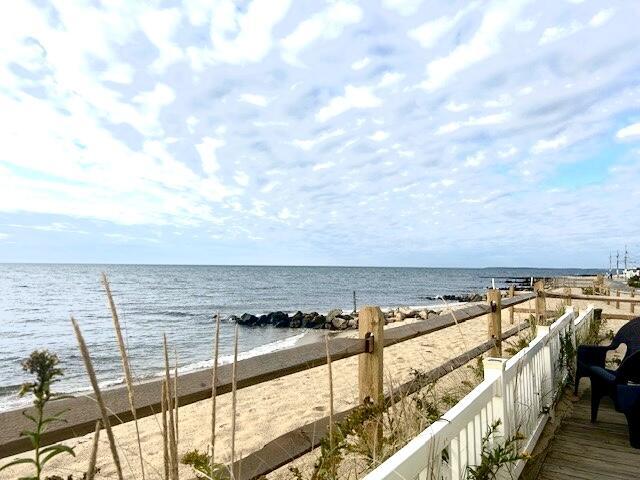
x,y
270,409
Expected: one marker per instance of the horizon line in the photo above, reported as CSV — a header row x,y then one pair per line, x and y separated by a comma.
x,y
301,265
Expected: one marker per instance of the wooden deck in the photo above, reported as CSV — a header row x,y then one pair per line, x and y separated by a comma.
x,y
583,450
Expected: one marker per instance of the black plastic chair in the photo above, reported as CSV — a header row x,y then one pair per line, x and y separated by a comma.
x,y
595,355
628,402
623,386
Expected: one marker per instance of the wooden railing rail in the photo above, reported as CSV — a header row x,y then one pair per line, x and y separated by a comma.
x,y
193,387
596,298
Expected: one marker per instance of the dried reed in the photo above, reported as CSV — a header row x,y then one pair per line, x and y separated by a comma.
x,y
326,339
94,452
165,438
96,389
173,450
175,396
234,381
125,365
214,381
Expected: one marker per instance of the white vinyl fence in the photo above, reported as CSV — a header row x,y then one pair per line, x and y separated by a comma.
x,y
519,392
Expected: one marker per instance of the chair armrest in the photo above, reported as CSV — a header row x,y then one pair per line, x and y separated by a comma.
x,y
602,374
628,398
593,355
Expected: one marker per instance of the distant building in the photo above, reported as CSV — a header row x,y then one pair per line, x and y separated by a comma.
x,y
631,272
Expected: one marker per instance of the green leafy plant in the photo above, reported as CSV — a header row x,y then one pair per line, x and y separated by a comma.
x,y
634,281
495,455
44,365
588,291
522,341
567,358
477,371
598,332
201,463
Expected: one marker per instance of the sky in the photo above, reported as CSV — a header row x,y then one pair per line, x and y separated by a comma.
x,y
379,132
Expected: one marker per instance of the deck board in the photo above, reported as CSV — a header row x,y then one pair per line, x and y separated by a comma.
x,y
583,450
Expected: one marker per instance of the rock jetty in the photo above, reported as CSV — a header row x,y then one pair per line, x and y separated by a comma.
x,y
335,319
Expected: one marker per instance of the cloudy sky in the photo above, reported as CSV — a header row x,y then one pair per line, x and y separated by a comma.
x,y
379,132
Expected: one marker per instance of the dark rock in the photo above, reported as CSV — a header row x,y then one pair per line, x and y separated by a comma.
x,y
234,318
297,320
247,320
312,320
263,320
319,321
278,319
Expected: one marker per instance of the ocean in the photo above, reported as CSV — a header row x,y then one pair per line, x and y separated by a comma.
x,y
37,300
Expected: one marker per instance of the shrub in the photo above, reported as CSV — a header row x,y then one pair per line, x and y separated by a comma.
x,y
44,366
494,455
201,463
634,281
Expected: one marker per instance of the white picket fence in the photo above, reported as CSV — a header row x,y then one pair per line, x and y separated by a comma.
x,y
519,392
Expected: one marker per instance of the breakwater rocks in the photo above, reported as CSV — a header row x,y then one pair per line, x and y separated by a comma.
x,y
334,320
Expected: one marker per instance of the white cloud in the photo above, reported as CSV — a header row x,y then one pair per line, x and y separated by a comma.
x,y
509,152
284,214
241,178
502,101
240,36
379,136
328,24
456,107
546,145
4,236
403,7
254,99
552,34
630,131
360,64
207,150
559,32
309,144
160,26
602,17
429,33
323,166
354,97
390,78
474,160
484,43
493,119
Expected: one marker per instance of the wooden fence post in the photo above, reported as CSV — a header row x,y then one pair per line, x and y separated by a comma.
x,y
618,301
494,321
608,293
512,293
541,304
632,306
370,366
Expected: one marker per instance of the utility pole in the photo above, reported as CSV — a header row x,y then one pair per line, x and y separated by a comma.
x,y
617,262
626,254
609,262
